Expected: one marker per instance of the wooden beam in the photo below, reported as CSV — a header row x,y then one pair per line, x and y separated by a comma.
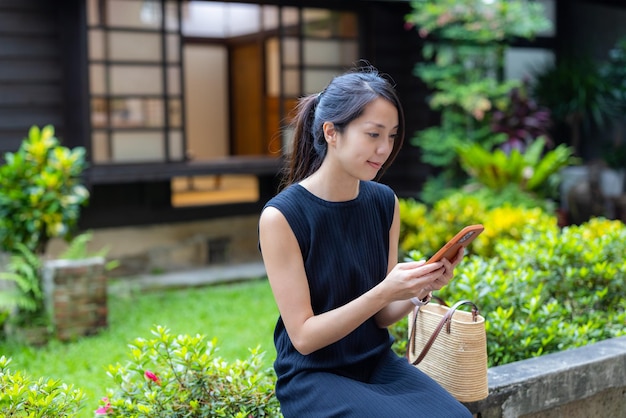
x,y
148,172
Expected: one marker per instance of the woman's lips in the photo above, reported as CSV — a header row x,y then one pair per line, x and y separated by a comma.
x,y
377,166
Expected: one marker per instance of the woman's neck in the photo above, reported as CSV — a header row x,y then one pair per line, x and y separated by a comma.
x,y
330,187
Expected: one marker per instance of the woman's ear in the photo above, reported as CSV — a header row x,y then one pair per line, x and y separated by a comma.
x,y
330,134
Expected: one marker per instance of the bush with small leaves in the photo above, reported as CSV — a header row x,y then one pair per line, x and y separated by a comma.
x,y
424,230
21,396
181,376
548,291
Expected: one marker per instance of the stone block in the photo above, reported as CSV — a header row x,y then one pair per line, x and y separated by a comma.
x,y
76,296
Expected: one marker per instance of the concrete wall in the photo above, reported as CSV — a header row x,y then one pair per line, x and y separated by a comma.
x,y
175,246
585,382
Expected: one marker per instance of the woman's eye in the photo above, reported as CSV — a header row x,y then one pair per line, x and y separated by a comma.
x,y
373,134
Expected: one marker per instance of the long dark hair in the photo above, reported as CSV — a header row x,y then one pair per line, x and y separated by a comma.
x,y
342,101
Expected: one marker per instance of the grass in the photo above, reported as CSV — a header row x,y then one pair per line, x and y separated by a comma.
x,y
239,315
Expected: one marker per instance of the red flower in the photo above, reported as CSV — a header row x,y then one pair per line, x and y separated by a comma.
x,y
149,375
103,410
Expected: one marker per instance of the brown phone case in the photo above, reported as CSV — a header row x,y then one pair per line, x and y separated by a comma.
x,y
462,239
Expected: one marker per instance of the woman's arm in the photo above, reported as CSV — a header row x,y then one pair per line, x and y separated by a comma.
x,y
398,309
287,278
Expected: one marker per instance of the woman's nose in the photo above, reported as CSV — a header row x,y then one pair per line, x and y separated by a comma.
x,y
385,147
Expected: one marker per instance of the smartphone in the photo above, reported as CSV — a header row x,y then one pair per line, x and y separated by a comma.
x,y
462,239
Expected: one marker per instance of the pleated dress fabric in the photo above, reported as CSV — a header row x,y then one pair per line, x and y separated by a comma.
x,y
344,246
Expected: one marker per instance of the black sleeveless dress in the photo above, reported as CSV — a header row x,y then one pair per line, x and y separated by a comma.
x,y
345,246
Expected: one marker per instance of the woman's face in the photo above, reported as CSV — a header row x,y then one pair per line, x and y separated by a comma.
x,y
367,142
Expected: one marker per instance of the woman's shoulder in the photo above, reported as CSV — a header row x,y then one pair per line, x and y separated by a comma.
x,y
378,190
280,209
285,196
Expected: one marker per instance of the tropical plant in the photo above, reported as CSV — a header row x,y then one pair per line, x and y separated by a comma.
x,y
614,71
533,171
578,96
77,249
41,191
522,120
464,54
24,298
22,396
181,376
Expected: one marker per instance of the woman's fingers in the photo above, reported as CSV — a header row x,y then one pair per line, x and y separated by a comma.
x,y
427,277
449,267
459,256
408,265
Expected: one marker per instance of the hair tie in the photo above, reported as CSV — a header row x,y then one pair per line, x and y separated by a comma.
x,y
318,97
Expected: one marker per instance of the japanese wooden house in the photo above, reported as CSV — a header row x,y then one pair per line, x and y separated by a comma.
x,y
180,104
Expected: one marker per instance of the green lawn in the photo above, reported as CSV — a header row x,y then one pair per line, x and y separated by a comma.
x,y
239,315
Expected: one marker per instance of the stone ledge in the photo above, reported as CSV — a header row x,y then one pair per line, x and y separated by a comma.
x,y
540,385
191,278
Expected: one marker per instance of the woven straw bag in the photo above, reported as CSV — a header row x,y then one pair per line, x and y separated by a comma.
x,y
457,357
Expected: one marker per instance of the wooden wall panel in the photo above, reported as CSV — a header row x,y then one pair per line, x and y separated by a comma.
x,y
22,118
27,94
28,47
31,69
27,22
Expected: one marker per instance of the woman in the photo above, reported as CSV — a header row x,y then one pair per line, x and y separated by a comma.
x,y
329,242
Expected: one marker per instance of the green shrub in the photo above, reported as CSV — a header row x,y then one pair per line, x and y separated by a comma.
x,y
463,51
181,376
41,191
427,229
548,291
21,396
424,230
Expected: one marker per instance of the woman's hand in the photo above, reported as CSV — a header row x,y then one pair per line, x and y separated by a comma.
x,y
448,271
417,279
413,279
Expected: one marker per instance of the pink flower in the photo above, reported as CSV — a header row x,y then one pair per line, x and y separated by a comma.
x,y
408,25
103,410
149,375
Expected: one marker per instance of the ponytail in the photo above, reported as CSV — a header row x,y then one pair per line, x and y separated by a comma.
x,y
305,157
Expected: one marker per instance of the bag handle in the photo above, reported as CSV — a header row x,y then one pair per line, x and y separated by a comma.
x,y
446,320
